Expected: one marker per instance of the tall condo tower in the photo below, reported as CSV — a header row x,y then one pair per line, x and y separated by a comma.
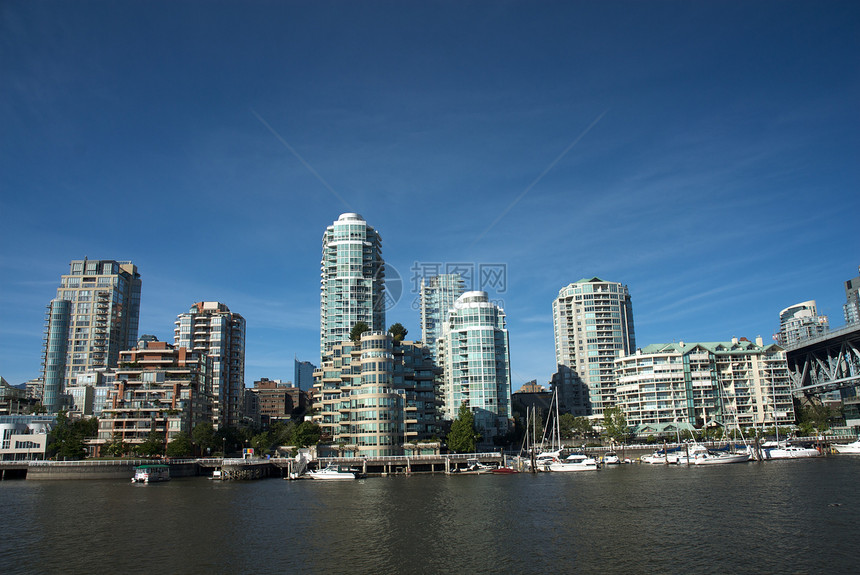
x,y
352,280
851,309
475,354
438,295
593,325
94,316
799,322
211,328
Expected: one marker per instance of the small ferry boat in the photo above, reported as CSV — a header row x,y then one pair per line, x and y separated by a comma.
x,y
151,473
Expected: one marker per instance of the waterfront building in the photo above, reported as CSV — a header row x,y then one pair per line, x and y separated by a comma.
x,y
304,375
276,400
375,397
210,327
14,400
89,394
705,383
35,389
159,388
93,318
592,326
24,437
352,280
851,309
474,353
438,294
799,322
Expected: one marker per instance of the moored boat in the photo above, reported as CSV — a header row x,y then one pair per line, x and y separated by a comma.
x,y
151,473
574,462
715,458
788,452
332,472
611,458
853,448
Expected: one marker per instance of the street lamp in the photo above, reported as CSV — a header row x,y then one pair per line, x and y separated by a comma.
x,y
223,448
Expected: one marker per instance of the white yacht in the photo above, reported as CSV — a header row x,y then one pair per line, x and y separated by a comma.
x,y
332,472
847,447
611,458
574,462
780,451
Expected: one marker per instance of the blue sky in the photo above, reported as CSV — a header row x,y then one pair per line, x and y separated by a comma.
x,y
703,153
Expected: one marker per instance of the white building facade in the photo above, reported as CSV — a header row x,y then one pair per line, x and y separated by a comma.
x,y
734,383
474,352
352,280
592,326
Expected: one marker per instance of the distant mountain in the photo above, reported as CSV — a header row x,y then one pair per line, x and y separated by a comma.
x,y
21,386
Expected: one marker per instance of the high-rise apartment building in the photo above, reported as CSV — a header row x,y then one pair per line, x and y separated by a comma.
x,y
374,396
303,377
728,383
352,280
438,294
474,353
799,322
158,388
210,327
851,309
593,325
93,318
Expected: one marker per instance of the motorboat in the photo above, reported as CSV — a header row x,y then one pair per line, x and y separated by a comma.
x,y
779,451
661,457
332,472
475,466
151,473
575,462
847,447
611,458
217,475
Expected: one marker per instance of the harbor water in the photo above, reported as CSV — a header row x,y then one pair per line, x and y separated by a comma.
x,y
798,516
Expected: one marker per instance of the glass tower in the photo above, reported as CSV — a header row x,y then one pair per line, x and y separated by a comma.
x,y
475,354
799,322
352,280
94,316
593,325
438,295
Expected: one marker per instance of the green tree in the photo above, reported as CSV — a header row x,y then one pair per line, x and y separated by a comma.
x,y
814,419
153,445
306,434
262,443
615,424
398,332
580,426
116,447
180,445
463,437
67,437
203,435
282,432
358,329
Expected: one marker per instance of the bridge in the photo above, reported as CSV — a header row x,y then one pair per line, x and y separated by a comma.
x,y
829,362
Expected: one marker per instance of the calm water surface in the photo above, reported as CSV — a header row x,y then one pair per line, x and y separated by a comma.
x,y
775,517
